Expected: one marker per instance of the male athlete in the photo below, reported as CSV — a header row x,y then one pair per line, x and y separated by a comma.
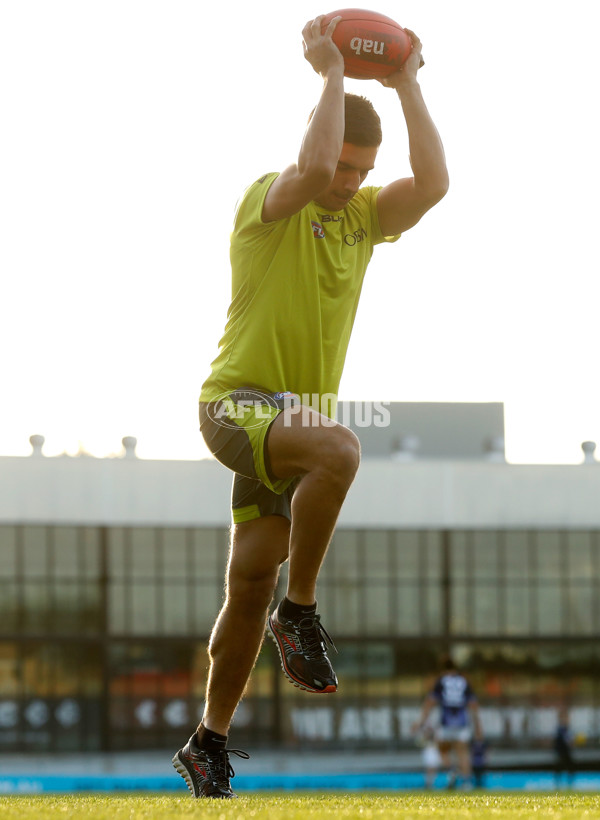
x,y
453,694
300,245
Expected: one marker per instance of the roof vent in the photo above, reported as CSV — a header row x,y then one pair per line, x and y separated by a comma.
x,y
129,444
589,448
37,442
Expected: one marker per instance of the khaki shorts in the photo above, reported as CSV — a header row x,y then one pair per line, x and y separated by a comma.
x,y
451,734
236,428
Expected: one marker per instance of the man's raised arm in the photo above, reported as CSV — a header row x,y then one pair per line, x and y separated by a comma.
x,y
402,203
322,144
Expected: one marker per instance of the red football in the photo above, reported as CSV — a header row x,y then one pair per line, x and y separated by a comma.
x,y
372,44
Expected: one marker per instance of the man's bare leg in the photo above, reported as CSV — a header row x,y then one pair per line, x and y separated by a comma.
x,y
257,550
327,457
463,755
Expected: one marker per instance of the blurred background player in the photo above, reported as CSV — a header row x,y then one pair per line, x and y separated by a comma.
x,y
430,756
479,761
459,721
300,246
563,745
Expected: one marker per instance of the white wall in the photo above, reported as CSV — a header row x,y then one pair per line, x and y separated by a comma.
x,y
387,494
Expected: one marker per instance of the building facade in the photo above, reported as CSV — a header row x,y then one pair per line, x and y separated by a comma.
x,y
111,574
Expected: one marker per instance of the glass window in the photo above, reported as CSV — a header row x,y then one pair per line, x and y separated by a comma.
x,y
431,554
143,552
207,552
409,558
73,552
9,607
118,608
580,555
36,613
484,554
377,608
548,555
408,610
35,554
176,608
343,610
144,612
117,562
460,556
133,552
517,604
517,558
460,609
76,607
166,581
549,609
49,591
344,559
90,559
579,616
384,592
485,610
376,548
178,554
431,606
8,552
133,608
65,553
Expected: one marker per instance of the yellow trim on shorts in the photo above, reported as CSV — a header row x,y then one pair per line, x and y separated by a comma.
x,y
249,513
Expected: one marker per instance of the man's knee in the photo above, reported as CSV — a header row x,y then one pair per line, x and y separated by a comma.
x,y
252,592
340,454
259,547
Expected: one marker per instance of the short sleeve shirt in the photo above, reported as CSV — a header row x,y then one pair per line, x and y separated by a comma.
x,y
454,694
296,284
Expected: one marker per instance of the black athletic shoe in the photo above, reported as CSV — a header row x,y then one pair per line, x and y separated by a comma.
x,y
205,771
302,650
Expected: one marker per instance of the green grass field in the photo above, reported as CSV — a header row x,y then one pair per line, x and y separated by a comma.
x,y
300,807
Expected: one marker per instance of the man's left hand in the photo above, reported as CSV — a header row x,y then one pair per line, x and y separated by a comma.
x,y
408,72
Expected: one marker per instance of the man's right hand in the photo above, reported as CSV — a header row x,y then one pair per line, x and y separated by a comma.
x,y
319,48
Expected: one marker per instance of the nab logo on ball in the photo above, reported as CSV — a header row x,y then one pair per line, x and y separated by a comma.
x,y
357,44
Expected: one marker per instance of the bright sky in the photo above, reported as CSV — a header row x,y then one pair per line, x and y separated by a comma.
x,y
130,127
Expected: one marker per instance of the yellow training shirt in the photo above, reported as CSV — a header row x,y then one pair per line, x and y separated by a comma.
x,y
296,283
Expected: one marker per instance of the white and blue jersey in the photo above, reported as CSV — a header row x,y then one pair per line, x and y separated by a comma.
x,y
454,694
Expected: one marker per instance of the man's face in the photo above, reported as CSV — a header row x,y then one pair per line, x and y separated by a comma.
x,y
354,164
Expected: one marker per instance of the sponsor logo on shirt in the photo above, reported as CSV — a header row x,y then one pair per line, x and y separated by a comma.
x,y
355,237
317,228
350,239
331,217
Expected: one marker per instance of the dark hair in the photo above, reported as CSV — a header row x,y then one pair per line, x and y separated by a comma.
x,y
362,125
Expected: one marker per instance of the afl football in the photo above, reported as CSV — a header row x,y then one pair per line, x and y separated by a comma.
x,y
372,45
